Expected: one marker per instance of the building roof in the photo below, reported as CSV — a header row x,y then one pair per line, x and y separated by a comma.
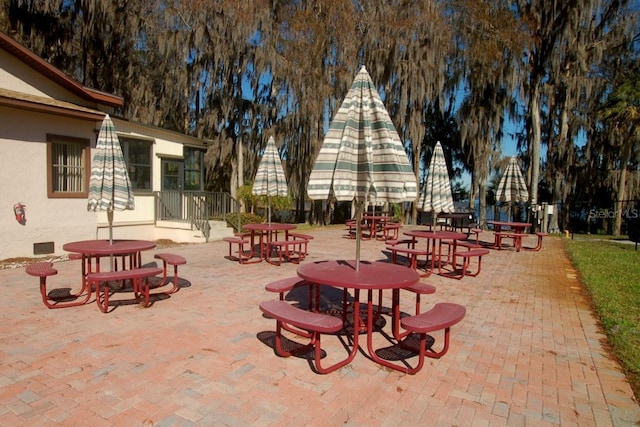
x,y
57,76
30,102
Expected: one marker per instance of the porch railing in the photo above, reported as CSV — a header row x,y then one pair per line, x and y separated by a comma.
x,y
195,207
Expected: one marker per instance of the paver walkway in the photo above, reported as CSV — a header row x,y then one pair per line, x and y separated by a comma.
x,y
527,353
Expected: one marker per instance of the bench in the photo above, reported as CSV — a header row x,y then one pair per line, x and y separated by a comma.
x,y
242,256
138,276
540,235
352,229
517,239
468,244
466,260
410,252
304,241
477,232
44,269
390,231
293,250
285,285
441,317
175,261
419,288
315,323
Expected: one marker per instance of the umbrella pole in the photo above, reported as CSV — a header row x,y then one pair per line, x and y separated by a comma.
x,y
359,207
110,220
269,208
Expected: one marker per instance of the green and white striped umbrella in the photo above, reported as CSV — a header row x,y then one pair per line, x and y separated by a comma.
x,y
436,196
109,187
512,187
269,180
362,157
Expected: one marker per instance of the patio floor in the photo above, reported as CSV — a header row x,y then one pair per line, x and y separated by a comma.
x,y
529,352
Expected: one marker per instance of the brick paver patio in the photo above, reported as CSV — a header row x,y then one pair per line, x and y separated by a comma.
x,y
529,352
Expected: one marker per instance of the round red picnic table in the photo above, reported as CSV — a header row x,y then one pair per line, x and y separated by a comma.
x,y
104,247
375,222
370,276
434,240
92,250
268,232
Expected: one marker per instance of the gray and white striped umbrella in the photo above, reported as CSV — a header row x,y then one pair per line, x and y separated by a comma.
x,y
109,186
362,157
512,187
269,180
436,196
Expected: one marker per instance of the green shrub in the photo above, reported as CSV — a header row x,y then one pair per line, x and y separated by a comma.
x,y
245,218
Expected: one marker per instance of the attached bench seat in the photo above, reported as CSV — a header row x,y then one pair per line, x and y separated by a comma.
x,y
175,261
391,230
242,256
476,232
286,285
441,317
293,250
44,269
304,240
419,288
540,236
406,247
466,260
315,323
138,276
517,239
352,225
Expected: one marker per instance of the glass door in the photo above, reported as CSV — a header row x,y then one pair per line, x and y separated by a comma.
x,y
172,185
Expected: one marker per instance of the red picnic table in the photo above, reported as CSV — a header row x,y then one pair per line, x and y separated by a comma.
x,y
512,230
433,248
370,276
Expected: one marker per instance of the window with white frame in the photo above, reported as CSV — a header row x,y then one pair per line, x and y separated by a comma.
x,y
137,155
67,166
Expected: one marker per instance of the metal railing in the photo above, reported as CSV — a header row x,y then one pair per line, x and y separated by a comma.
x,y
195,207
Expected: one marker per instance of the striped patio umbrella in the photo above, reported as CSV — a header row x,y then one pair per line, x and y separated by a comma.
x,y
512,186
109,187
436,194
362,157
269,180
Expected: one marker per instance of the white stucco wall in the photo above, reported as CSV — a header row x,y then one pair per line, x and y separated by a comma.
x,y
23,170
23,178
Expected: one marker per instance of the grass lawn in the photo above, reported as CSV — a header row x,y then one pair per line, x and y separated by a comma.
x,y
611,274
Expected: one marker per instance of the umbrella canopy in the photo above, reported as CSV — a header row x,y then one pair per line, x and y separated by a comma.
x,y
512,187
436,195
269,180
109,187
362,157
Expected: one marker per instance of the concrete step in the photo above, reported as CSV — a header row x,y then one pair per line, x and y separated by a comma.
x,y
219,230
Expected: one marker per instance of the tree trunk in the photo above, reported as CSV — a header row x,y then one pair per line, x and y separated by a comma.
x,y
534,136
622,185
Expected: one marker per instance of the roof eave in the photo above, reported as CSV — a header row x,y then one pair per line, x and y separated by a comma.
x,y
51,109
48,70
